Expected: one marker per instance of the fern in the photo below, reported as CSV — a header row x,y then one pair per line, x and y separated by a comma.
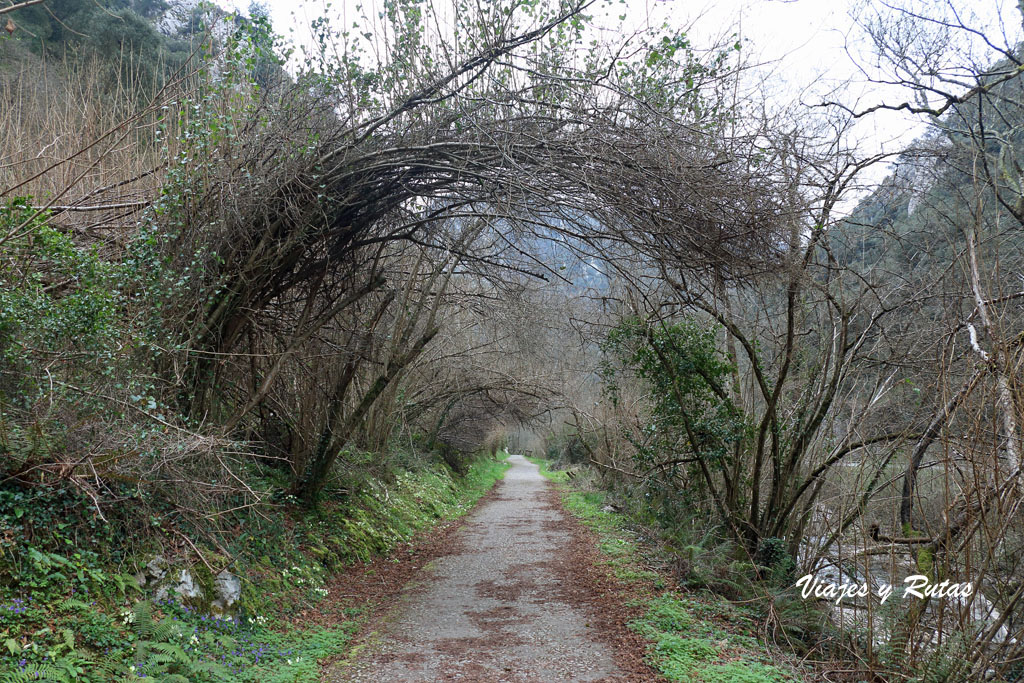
x,y
164,630
73,605
146,627
68,638
125,582
143,625
210,668
169,659
171,652
109,668
37,671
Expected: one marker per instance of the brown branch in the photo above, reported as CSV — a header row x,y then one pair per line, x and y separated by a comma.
x,y
20,5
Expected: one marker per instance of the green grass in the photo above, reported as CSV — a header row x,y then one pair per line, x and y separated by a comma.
x,y
557,476
385,514
64,617
713,654
692,640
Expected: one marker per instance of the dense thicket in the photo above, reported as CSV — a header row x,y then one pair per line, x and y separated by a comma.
x,y
233,268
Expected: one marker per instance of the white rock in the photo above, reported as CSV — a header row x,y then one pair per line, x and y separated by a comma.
x,y
187,586
157,568
228,588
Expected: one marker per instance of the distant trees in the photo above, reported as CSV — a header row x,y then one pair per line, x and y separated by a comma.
x,y
123,33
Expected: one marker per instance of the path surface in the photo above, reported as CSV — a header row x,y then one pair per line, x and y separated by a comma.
x,y
499,607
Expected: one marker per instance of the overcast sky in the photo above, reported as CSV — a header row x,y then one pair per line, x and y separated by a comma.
x,y
805,46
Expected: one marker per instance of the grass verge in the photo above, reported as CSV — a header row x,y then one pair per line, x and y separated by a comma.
x,y
693,638
68,616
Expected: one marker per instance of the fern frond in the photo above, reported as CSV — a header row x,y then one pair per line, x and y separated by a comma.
x,y
161,661
68,636
73,605
171,650
143,625
210,668
110,667
163,630
38,672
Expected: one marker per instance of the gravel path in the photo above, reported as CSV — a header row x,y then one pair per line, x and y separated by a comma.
x,y
497,607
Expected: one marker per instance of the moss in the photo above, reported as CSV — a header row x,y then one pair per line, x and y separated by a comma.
x,y
739,672
633,575
203,577
925,561
677,657
206,581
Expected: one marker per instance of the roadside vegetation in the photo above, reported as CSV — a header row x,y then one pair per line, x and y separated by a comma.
x,y
694,634
72,611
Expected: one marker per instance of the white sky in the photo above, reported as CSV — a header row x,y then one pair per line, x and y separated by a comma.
x,y
804,46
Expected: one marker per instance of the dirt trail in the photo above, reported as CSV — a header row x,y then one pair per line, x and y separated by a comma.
x,y
500,606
